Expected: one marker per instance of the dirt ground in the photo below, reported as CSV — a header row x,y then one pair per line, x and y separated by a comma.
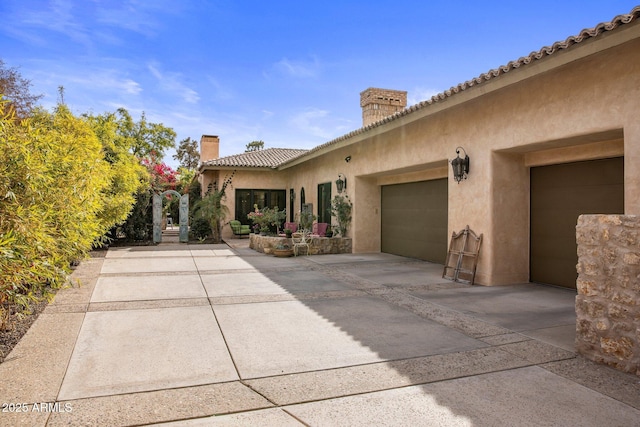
x,y
16,326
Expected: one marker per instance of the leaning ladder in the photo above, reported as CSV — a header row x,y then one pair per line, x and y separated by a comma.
x,y
462,258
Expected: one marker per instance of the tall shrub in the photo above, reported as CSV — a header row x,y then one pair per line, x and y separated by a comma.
x,y
212,208
52,179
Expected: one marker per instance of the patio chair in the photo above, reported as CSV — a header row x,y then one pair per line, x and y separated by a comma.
x,y
289,226
319,229
299,240
239,229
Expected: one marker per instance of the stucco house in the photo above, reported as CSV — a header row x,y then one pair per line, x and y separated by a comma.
x,y
549,136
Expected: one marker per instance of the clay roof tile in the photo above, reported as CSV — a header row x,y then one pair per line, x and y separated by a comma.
x,y
267,158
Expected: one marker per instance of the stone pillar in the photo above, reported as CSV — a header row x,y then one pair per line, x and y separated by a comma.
x,y
608,300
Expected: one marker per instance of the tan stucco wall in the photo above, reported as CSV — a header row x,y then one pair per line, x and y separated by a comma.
x,y
574,105
244,179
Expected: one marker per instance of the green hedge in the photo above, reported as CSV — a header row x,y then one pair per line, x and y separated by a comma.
x,y
62,187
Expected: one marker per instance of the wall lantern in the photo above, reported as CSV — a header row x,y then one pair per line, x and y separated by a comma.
x,y
341,183
460,166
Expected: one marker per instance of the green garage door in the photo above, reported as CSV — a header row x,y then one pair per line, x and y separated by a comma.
x,y
559,194
414,220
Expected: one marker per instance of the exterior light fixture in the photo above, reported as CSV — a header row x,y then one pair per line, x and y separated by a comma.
x,y
460,166
341,183
347,159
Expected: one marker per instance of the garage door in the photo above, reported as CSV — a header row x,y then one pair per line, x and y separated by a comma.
x,y
559,194
414,220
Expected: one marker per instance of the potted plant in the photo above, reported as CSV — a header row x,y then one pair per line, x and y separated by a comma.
x,y
329,232
306,220
277,218
283,250
288,233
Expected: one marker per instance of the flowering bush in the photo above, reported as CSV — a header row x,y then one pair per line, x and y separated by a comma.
x,y
265,217
163,177
256,216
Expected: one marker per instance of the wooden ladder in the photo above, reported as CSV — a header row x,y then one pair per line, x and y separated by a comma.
x,y
462,258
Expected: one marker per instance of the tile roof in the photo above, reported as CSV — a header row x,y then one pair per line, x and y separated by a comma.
x,y
267,158
492,74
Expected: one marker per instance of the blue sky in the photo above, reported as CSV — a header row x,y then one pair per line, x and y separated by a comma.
x,y
289,73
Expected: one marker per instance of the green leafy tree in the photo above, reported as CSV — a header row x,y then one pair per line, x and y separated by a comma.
x,y
135,147
254,146
188,154
142,137
128,177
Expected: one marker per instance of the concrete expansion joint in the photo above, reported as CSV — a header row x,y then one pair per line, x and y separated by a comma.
x,y
258,392
263,347
149,273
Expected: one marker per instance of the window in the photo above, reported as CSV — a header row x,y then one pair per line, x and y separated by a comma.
x,y
292,199
324,202
245,199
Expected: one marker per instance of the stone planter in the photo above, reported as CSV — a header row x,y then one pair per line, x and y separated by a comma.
x,y
317,245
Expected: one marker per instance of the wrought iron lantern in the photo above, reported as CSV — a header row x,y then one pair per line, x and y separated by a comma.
x,y
460,166
341,183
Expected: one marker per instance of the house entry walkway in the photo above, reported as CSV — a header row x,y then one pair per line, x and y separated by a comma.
x,y
178,334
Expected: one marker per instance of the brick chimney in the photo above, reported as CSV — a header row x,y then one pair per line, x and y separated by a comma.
x,y
209,147
379,103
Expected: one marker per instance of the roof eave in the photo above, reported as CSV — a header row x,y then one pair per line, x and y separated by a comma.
x,y
204,168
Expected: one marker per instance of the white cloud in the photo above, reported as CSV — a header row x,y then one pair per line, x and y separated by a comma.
x,y
172,82
308,121
298,68
87,79
57,16
420,94
221,92
136,15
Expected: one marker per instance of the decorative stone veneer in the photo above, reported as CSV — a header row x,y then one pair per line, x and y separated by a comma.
x,y
317,245
608,300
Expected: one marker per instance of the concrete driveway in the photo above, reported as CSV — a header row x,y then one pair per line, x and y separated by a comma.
x,y
196,335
